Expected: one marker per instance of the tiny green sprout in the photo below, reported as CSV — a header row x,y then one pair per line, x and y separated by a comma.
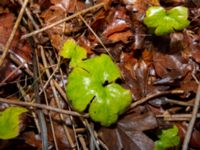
x,y
164,22
91,85
73,51
168,139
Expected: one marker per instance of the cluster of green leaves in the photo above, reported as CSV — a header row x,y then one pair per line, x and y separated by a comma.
x,y
169,138
91,84
164,22
9,122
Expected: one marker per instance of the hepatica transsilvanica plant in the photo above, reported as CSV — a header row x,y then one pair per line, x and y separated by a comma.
x,y
168,138
91,84
166,21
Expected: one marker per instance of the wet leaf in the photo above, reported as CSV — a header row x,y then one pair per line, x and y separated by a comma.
x,y
9,122
128,132
165,22
118,26
173,66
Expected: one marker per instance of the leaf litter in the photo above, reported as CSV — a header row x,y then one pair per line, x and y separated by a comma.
x,y
148,64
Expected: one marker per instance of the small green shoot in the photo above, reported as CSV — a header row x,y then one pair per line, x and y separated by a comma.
x,y
169,138
91,84
164,22
74,52
9,122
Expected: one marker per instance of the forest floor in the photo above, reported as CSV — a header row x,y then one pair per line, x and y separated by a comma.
x,y
162,73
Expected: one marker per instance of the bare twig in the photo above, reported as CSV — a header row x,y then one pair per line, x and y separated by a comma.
x,y
96,36
50,119
62,21
8,43
82,141
147,98
177,117
56,98
28,13
192,121
27,99
42,106
180,102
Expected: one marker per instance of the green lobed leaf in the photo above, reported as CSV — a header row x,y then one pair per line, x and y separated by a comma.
x,y
9,122
93,84
164,22
72,51
168,138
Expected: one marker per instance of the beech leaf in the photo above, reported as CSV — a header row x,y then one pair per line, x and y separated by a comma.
x,y
164,22
9,122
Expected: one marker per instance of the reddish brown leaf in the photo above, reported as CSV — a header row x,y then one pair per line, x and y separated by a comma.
x,y
121,36
117,21
174,64
128,133
57,11
33,139
136,76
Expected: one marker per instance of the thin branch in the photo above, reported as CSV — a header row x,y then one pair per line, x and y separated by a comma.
x,y
96,36
180,102
192,121
177,117
62,21
147,98
56,98
42,106
8,43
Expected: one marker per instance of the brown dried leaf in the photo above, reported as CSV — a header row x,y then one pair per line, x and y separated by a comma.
x,y
57,11
118,23
135,73
121,36
128,133
33,139
170,65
